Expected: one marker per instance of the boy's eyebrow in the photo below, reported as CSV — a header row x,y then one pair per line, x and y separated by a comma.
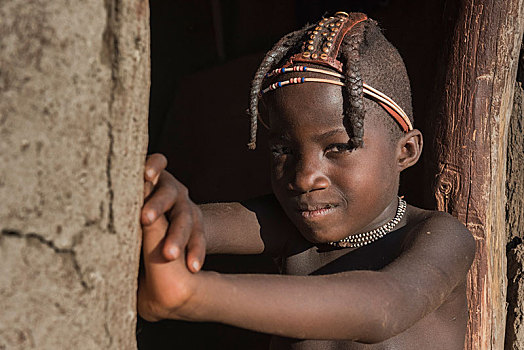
x,y
330,133
275,135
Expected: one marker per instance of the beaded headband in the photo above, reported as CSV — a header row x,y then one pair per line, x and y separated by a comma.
x,y
321,47
386,102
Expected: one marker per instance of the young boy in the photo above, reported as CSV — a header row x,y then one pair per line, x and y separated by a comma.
x,y
360,268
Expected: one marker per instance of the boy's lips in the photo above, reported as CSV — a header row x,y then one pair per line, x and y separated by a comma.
x,y
310,212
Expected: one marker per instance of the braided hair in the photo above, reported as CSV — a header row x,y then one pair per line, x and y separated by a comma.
x,y
354,90
365,55
276,55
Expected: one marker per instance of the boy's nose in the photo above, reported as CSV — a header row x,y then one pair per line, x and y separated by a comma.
x,y
309,177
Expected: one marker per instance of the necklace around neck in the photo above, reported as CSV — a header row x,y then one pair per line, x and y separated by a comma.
x,y
362,239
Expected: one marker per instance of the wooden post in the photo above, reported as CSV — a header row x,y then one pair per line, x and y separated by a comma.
x,y
470,150
515,223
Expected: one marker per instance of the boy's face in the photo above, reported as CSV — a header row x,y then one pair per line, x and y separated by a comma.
x,y
328,190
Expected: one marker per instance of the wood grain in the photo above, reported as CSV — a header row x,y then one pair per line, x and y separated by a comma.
x,y
470,150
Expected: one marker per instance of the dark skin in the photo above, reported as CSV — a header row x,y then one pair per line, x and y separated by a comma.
x,y
404,291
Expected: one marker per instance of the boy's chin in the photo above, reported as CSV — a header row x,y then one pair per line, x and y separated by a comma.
x,y
320,229
319,235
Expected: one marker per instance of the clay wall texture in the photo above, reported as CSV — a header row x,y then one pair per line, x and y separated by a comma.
x,y
74,89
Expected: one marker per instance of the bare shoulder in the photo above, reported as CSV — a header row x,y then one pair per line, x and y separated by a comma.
x,y
438,249
439,232
437,220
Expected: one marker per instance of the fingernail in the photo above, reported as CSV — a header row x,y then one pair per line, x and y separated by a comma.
x,y
150,216
173,251
150,173
196,265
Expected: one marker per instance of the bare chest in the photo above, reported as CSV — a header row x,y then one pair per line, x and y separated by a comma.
x,y
444,328
313,260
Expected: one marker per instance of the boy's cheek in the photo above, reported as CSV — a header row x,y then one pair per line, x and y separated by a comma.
x,y
277,175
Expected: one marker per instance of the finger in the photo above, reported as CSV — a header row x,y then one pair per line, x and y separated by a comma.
x,y
152,241
196,249
159,202
180,227
155,163
148,188
196,254
146,217
196,246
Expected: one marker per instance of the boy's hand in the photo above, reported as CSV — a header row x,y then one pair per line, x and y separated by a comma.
x,y
165,286
166,195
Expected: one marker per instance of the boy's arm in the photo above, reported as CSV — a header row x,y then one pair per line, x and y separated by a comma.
x,y
252,227
366,306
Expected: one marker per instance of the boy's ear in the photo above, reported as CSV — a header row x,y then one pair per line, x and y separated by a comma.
x,y
409,149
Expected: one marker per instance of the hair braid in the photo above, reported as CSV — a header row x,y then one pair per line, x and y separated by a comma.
x,y
272,58
354,89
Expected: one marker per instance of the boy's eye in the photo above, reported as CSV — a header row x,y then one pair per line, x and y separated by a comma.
x,y
339,148
279,150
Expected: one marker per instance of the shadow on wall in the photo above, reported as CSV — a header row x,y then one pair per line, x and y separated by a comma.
x,y
204,55
207,130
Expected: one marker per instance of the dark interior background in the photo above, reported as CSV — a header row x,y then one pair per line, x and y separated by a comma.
x,y
203,56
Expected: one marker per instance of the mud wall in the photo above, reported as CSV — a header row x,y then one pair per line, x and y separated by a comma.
x,y
74,89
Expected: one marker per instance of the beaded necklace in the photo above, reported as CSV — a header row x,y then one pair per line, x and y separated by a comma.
x,y
362,239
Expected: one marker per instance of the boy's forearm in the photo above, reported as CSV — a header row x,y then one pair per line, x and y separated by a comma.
x,y
231,229
320,307
252,227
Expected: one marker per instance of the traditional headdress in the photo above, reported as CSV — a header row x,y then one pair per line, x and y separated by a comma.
x,y
321,48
